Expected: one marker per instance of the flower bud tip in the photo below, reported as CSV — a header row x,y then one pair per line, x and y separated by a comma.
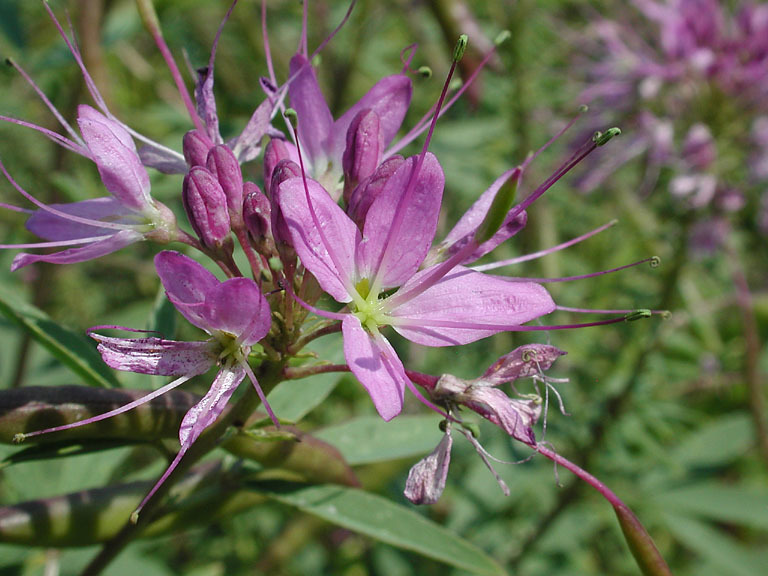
x,y
19,438
461,46
602,138
503,36
425,71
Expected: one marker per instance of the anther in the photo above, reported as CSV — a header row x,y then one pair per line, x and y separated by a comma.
x,y
461,46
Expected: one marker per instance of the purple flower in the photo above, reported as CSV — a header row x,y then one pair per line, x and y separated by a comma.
x,y
102,225
234,313
375,272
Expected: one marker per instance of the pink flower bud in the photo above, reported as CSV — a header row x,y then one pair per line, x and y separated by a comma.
x,y
256,212
225,167
276,151
426,480
195,148
205,204
362,197
365,146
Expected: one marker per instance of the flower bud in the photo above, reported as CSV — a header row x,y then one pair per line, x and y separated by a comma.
x,y
426,480
365,146
362,197
195,148
256,212
224,166
276,151
206,207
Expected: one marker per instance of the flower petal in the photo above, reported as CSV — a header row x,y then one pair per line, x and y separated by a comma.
x,y
466,306
81,253
396,257
186,283
237,306
389,98
333,264
377,367
315,120
116,158
156,356
53,227
426,479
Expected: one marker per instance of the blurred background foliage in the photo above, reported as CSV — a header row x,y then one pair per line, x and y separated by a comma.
x,y
664,412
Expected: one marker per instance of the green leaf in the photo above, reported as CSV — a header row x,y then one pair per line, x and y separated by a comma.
x,y
403,437
733,505
385,521
718,442
294,399
55,450
730,557
73,348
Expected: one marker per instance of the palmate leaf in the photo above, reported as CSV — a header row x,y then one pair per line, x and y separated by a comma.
x,y
74,349
385,521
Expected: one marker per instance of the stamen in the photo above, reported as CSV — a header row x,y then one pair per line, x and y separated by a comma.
x,y
653,260
325,42
424,322
260,392
265,39
484,457
51,135
58,244
545,252
46,101
143,400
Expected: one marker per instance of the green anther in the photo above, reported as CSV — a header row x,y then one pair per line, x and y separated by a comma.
x,y
498,210
583,108
19,438
638,315
461,46
655,262
293,118
665,314
275,264
444,424
134,517
425,71
503,36
602,138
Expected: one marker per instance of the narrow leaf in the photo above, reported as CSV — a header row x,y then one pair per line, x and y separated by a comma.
x,y
385,521
74,349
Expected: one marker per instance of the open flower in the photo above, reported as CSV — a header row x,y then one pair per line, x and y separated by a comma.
x,y
375,271
236,316
100,226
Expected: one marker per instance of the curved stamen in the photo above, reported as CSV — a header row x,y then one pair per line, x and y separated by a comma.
x,y
62,141
58,244
545,252
422,322
325,42
652,260
265,40
260,392
661,313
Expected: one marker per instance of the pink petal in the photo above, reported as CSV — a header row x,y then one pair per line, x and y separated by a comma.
x,y
315,120
333,264
53,227
376,366
116,158
389,98
81,253
186,283
156,356
466,306
397,255
238,307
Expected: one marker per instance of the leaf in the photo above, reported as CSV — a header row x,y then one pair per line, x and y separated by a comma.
x,y
403,437
72,348
163,316
718,442
720,550
735,505
55,450
385,521
294,399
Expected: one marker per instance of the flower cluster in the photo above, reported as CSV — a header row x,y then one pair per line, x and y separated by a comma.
x,y
339,213
690,79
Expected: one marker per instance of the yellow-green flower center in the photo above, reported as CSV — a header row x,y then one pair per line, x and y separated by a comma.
x,y
369,309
